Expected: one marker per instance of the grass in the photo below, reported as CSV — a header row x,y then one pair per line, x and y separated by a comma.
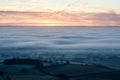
x,y
73,71
30,77
77,69
14,72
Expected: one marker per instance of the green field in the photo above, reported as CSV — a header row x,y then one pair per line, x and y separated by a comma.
x,y
15,73
71,71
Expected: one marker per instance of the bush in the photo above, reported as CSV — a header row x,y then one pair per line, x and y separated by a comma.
x,y
24,70
63,76
1,73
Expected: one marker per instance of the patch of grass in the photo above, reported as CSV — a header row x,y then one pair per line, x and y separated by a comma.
x,y
30,77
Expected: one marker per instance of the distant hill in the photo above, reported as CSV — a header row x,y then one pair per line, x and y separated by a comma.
x,y
68,71
77,69
23,61
85,72
110,75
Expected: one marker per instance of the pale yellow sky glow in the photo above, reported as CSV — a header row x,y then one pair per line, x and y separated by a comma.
x,y
60,12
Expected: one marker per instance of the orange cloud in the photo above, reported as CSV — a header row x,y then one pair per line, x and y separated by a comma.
x,y
60,18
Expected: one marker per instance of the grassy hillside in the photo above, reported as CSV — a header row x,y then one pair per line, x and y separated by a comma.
x,y
59,72
110,75
16,72
77,69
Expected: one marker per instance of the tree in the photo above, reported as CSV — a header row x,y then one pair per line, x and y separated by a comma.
x,y
1,73
24,70
8,78
63,76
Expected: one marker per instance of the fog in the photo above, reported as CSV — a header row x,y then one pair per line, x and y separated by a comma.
x,y
67,40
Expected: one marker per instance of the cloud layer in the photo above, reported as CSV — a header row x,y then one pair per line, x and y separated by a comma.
x,y
61,18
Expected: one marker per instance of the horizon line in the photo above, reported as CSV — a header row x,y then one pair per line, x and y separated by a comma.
x,y
52,26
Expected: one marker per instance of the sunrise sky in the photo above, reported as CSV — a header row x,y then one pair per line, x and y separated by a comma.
x,y
60,12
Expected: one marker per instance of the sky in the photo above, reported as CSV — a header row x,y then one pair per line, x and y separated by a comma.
x,y
60,12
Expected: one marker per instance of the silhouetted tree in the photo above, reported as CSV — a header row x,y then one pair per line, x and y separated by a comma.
x,y
67,62
1,73
63,76
24,70
21,61
39,65
7,78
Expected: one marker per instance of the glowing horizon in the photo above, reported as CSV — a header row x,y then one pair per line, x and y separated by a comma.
x,y
60,12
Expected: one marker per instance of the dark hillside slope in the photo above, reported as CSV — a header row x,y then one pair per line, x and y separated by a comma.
x,y
111,75
77,69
